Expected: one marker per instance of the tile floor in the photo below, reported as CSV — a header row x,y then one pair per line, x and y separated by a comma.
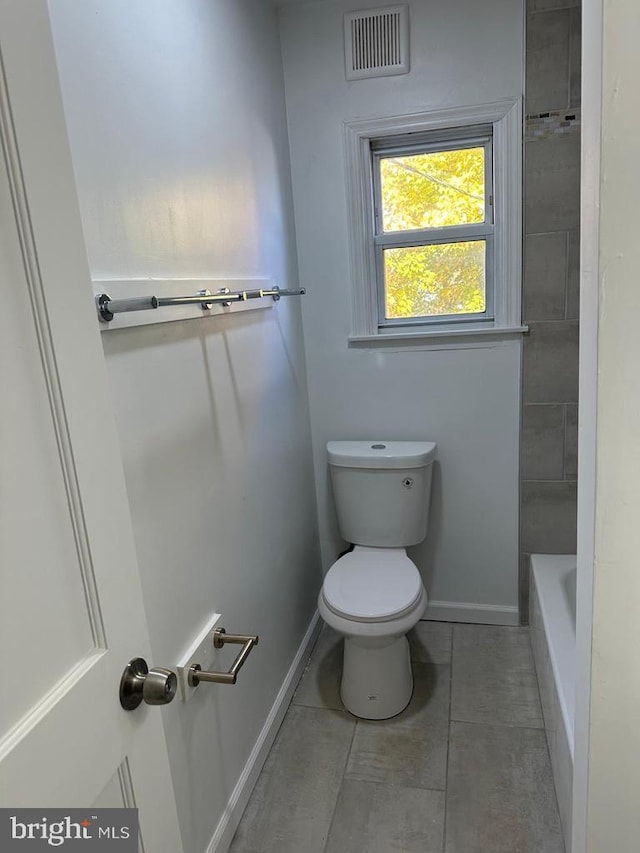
x,y
464,769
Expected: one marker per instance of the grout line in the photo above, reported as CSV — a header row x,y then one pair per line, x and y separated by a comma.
x,y
535,670
498,725
333,815
523,587
342,710
568,69
564,443
394,785
572,46
546,739
549,233
575,321
557,480
560,7
566,277
344,770
446,769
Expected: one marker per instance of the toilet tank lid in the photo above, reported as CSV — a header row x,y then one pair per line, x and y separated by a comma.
x,y
381,454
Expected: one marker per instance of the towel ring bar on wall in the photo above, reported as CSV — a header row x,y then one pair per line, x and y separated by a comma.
x,y
108,307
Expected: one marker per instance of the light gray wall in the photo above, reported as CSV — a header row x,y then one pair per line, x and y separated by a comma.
x,y
549,460
464,52
607,774
178,131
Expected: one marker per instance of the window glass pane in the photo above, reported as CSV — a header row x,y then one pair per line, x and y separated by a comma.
x,y
433,190
435,280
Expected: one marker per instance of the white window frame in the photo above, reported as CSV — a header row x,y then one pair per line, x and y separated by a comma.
x,y
481,137
505,120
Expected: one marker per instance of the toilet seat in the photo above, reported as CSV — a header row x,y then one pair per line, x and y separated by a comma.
x,y
372,585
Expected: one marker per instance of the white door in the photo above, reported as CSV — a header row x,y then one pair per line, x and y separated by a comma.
x,y
71,611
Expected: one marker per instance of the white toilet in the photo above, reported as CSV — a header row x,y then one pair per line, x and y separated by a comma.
x,y
374,594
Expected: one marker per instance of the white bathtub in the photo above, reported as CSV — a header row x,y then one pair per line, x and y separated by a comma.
x,y
553,637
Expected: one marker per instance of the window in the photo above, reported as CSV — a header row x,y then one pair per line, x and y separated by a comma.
x,y
435,223
433,229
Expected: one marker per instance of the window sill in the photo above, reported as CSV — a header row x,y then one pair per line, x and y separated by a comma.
x,y
439,338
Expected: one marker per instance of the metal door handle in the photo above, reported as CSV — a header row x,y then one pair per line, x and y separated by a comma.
x,y
140,684
220,639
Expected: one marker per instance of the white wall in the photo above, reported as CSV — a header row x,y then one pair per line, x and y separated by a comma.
x,y
464,52
591,134
178,132
607,733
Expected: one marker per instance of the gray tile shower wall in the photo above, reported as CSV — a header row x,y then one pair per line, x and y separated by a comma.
x,y
548,50
548,465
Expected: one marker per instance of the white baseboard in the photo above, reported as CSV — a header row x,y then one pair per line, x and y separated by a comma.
x,y
483,614
228,823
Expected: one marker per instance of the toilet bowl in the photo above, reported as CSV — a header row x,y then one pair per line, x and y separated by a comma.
x,y
374,595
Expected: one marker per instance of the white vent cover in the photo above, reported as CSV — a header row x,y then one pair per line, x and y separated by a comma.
x,y
376,42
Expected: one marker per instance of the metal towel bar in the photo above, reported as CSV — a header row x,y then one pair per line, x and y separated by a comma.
x,y
108,307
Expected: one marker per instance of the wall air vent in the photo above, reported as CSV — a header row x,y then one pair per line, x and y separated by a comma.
x,y
376,42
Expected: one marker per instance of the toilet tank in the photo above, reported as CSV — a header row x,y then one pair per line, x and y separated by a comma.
x,y
382,490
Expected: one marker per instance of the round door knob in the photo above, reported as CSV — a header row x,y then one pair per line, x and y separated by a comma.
x,y
160,686
139,684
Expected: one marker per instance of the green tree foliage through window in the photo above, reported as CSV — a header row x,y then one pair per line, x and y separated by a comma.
x,y
436,280
434,189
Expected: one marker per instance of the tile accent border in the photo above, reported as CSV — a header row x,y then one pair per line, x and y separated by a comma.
x,y
539,126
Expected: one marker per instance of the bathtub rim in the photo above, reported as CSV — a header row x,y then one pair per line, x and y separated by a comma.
x,y
548,571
